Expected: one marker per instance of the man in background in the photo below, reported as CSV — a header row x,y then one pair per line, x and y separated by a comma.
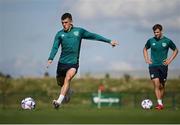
x,y
159,61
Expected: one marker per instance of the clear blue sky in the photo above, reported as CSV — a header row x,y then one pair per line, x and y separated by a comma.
x,y
28,27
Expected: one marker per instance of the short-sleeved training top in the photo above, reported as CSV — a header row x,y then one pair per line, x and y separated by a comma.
x,y
159,49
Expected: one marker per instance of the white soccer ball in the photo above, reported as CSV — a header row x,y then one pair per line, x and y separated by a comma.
x,y
146,104
28,103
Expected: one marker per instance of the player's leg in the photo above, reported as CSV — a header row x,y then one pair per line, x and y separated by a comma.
x,y
70,91
155,77
157,85
162,90
158,92
68,95
60,80
69,75
60,76
163,78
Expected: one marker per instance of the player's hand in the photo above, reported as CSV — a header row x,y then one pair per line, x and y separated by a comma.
x,y
166,62
48,63
114,43
149,61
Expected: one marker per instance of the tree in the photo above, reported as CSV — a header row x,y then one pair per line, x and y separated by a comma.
x,y
127,77
107,76
46,74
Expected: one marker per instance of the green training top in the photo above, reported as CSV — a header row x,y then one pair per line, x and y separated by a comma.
x,y
71,43
159,49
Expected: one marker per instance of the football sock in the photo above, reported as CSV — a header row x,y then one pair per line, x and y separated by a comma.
x,y
160,101
60,99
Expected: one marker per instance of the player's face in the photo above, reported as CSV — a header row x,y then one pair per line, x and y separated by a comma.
x,y
157,33
66,23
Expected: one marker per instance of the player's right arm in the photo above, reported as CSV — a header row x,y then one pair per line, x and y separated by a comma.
x,y
146,56
145,53
54,50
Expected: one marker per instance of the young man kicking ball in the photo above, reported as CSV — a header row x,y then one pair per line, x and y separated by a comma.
x,y
69,38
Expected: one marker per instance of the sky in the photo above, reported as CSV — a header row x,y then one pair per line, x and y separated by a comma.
x,y
28,28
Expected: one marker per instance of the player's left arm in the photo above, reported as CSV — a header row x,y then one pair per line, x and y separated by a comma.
x,y
174,54
94,36
172,57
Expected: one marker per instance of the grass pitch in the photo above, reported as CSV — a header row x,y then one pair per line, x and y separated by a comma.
x,y
81,114
80,109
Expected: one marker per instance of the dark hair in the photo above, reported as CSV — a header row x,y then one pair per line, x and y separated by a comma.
x,y
66,15
157,26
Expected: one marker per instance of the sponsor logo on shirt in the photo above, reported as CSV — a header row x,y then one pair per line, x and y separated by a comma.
x,y
154,44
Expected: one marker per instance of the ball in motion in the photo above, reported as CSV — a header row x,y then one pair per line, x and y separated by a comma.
x,y
28,103
146,104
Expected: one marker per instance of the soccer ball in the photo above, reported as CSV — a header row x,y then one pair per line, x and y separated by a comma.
x,y
28,103
146,104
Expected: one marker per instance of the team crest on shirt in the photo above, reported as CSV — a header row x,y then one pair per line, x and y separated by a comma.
x,y
164,44
76,33
62,35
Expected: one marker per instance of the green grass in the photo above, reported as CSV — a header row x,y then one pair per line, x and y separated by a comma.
x,y
80,109
88,115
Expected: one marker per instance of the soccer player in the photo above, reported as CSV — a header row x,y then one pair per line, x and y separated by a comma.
x,y
69,38
159,61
